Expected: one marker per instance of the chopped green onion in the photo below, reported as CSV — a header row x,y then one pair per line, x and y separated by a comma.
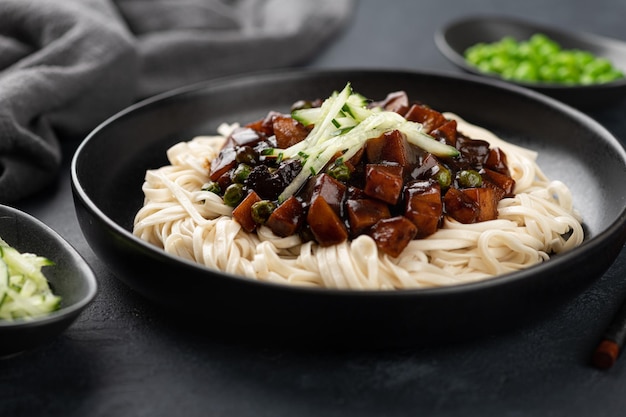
x,y
540,59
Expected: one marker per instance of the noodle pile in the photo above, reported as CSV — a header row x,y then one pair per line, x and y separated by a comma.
x,y
194,224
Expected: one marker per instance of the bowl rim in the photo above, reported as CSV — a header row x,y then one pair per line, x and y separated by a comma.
x,y
617,227
441,41
86,273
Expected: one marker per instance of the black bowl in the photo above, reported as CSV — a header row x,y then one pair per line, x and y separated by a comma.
x,y
109,166
70,277
454,38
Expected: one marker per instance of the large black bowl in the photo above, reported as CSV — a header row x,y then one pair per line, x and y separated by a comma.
x,y
109,166
71,278
455,37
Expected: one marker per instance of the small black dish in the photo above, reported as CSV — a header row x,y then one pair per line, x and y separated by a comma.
x,y
109,167
454,38
70,277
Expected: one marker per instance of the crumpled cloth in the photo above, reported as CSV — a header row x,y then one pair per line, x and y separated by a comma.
x,y
65,66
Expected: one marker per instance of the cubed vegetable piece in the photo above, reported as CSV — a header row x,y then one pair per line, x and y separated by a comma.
x,y
391,147
498,191
287,218
325,225
486,200
429,118
225,161
460,206
243,136
446,132
392,235
243,212
473,151
496,161
373,148
427,169
288,131
265,125
353,193
356,159
501,180
423,206
365,212
397,101
323,185
383,182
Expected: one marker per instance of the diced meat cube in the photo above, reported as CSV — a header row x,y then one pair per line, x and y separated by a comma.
x,y
446,132
288,131
325,225
365,212
245,136
460,206
486,200
398,150
384,182
356,159
429,118
392,235
423,206
496,161
287,218
323,185
391,147
243,212
373,148
473,151
501,180
398,101
264,125
498,191
225,179
353,193
428,168
225,161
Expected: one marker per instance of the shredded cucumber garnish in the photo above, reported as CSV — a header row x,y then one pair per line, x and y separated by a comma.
x,y
342,124
24,290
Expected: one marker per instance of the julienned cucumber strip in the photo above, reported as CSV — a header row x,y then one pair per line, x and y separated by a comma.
x,y
342,124
24,290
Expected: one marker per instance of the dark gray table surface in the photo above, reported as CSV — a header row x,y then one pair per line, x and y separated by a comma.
x,y
119,359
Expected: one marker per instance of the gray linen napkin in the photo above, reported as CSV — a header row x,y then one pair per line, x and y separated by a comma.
x,y
65,66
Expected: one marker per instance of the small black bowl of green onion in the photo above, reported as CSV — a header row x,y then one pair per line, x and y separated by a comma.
x,y
580,69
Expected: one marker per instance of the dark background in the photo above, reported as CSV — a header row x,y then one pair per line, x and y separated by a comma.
x,y
120,359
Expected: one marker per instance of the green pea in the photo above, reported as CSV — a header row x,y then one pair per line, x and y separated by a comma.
x,y
261,211
246,155
233,195
444,177
469,178
212,186
241,173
